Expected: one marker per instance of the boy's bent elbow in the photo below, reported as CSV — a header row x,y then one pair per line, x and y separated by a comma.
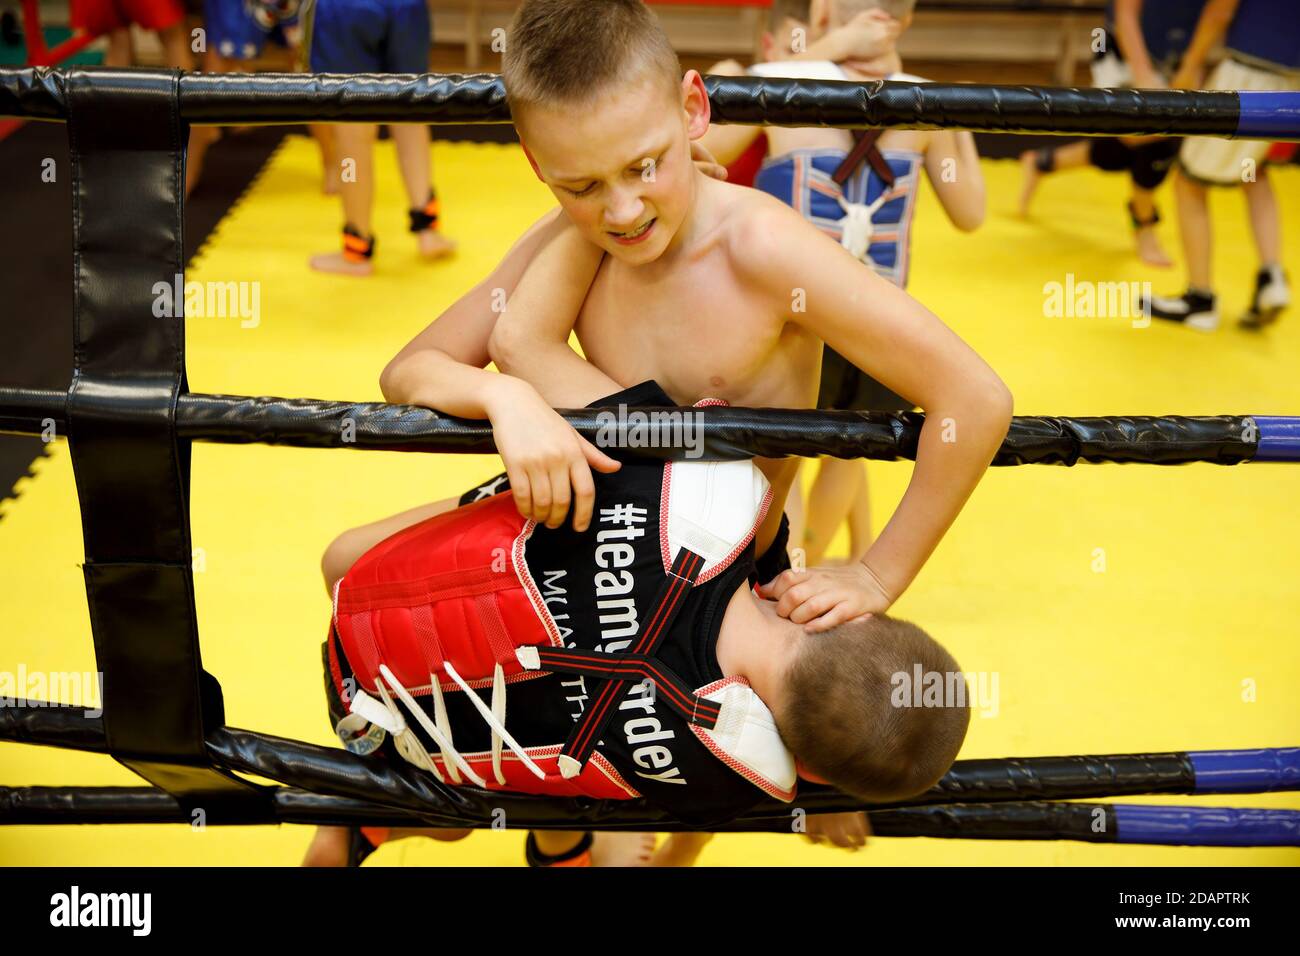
x,y
388,380
970,220
503,347
1001,404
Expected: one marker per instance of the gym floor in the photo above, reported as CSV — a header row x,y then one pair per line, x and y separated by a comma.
x,y
1118,608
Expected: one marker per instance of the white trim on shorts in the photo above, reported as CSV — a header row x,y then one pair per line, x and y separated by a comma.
x,y
1226,162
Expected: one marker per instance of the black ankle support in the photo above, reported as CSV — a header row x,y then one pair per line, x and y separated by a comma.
x,y
355,245
1045,159
1143,223
536,857
426,217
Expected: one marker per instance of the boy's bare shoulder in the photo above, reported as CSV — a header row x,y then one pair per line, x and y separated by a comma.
x,y
761,232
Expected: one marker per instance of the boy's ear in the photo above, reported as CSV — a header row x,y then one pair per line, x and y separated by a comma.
x,y
532,162
767,45
695,100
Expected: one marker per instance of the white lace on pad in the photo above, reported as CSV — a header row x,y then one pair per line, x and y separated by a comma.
x,y
408,744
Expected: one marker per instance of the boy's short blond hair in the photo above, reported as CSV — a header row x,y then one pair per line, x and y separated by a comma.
x,y
568,52
854,717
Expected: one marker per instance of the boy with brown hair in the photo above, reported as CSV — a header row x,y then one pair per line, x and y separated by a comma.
x,y
734,294
823,706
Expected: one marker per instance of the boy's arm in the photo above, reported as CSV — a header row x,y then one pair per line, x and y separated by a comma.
x,y
443,368
1215,19
531,337
1133,46
953,165
893,338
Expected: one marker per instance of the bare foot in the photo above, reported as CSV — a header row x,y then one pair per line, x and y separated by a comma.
x,y
681,849
1029,179
1149,249
622,849
434,245
339,264
329,847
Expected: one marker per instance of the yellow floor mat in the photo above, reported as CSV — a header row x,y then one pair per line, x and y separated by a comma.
x,y
1122,608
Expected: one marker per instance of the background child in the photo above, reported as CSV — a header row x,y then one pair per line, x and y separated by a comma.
x,y
375,36
1263,46
1144,45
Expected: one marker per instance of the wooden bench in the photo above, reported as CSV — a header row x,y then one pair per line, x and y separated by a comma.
x,y
752,15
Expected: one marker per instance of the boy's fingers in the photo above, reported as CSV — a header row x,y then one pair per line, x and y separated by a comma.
x,y
794,598
597,458
779,585
560,497
540,482
584,495
812,607
522,492
825,622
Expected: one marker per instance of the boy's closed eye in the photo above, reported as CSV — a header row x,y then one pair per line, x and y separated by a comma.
x,y
637,170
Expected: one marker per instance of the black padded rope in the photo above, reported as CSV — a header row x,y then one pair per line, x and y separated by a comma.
x,y
1062,778
1092,823
332,772
979,107
725,433
278,98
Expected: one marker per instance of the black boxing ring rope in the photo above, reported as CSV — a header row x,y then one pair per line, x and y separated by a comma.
x,y
130,421
722,432
245,99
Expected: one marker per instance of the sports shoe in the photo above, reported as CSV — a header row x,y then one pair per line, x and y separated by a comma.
x,y
1193,309
1272,295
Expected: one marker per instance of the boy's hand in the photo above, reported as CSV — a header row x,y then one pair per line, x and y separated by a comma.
x,y
849,831
549,464
705,162
1188,77
867,36
824,597
1145,78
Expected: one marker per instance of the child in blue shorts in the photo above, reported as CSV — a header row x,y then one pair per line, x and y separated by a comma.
x,y
375,36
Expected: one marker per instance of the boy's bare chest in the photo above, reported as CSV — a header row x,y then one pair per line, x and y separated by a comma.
x,y
699,334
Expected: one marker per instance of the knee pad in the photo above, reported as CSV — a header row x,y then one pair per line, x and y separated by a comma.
x,y
1110,154
1153,161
